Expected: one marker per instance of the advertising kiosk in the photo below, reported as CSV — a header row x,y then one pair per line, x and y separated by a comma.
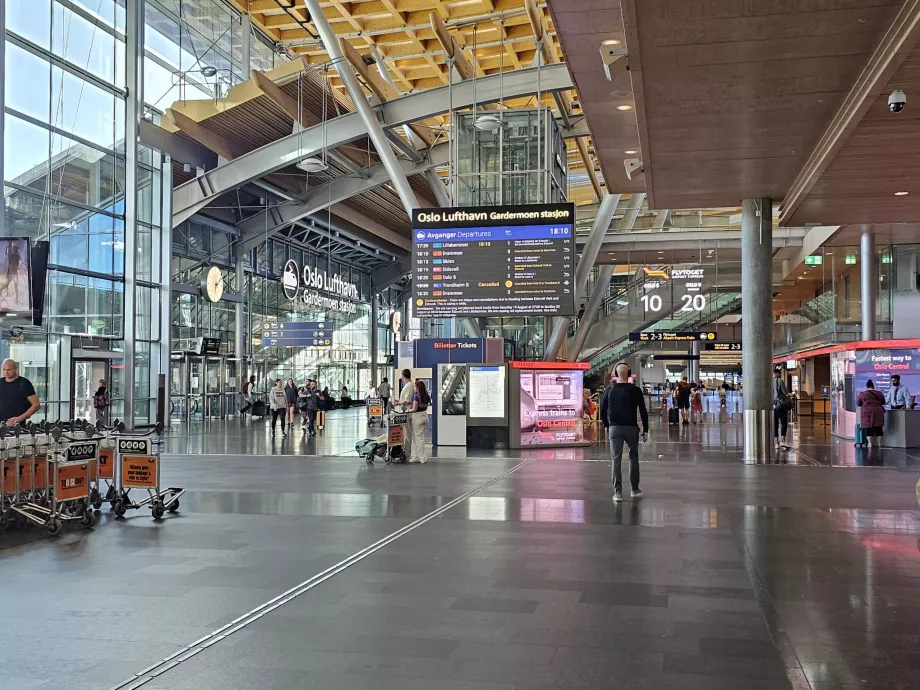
x,y
545,404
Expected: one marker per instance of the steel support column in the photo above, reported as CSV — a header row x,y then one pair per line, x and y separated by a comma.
x,y
695,362
868,285
602,220
2,98
134,104
239,333
355,92
757,330
246,36
375,316
594,302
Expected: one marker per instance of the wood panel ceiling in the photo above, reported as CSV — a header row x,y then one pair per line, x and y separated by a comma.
x,y
879,158
582,26
733,95
400,32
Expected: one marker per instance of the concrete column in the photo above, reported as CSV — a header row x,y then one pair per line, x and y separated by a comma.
x,y
246,36
594,303
695,363
757,328
868,284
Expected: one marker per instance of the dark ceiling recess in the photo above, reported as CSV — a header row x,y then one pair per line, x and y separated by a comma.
x,y
303,24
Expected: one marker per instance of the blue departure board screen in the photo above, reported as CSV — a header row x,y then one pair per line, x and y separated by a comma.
x,y
494,261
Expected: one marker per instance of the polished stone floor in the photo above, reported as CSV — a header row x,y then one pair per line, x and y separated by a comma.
x,y
292,564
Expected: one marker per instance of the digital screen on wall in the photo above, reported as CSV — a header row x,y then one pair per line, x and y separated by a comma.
x,y
494,261
15,276
551,407
879,366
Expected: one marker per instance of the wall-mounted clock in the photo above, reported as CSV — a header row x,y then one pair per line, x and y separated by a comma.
x,y
212,284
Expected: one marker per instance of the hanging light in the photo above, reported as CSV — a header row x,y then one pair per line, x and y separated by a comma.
x,y
312,164
208,71
488,122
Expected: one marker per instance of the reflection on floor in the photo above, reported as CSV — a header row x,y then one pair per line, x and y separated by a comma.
x,y
495,571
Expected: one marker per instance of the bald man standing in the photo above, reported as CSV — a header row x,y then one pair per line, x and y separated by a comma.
x,y
18,400
621,407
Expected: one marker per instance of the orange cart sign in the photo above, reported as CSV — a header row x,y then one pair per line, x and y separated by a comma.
x,y
375,409
106,463
139,471
72,481
397,435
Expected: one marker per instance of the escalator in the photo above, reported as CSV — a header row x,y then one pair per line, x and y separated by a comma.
x,y
718,305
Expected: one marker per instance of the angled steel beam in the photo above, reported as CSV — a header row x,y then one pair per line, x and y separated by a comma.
x,y
255,229
335,48
195,194
587,320
602,220
181,149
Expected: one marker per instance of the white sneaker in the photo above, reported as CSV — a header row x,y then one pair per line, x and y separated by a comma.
x,y
617,496
635,493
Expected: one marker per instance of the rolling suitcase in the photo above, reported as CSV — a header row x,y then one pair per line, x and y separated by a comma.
x,y
673,416
860,439
259,408
320,420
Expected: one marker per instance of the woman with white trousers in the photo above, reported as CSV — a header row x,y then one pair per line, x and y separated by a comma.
x,y
418,423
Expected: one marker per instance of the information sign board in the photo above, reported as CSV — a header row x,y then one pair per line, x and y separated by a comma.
x,y
139,471
494,261
297,334
672,336
723,347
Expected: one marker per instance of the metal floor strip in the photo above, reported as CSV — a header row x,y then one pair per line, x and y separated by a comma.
x,y
151,672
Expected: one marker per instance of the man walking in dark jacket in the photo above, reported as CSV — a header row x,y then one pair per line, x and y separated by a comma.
x,y
622,405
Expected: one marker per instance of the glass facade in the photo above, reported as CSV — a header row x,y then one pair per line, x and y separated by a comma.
x,y
66,172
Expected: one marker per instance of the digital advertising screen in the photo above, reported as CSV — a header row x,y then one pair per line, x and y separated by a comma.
x,y
551,407
15,276
878,366
494,261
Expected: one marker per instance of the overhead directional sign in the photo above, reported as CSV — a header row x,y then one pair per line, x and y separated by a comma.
x,y
672,336
723,347
494,261
297,334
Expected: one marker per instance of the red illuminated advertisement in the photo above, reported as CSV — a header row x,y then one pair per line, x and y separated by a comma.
x,y
551,407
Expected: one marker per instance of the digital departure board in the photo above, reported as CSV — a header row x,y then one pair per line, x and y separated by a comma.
x,y
494,261
672,336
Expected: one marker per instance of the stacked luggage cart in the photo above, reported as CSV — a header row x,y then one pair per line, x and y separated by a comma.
x,y
57,473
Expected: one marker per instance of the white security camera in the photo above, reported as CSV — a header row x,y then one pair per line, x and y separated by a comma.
x,y
611,52
897,100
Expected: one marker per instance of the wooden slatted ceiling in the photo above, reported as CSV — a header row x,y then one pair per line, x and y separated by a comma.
x,y
732,95
401,32
878,159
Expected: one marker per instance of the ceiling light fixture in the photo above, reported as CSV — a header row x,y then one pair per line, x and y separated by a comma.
x,y
624,107
630,152
901,193
312,164
208,71
488,122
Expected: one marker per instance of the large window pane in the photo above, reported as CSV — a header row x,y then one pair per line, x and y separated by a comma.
x,y
27,87
84,44
109,11
79,108
83,174
25,153
30,19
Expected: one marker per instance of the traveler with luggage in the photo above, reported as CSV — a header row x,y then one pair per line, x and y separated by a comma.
x,y
277,400
418,423
101,401
247,392
404,404
782,403
871,405
384,391
303,395
621,407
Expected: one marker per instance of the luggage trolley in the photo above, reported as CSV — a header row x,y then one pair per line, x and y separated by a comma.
x,y
138,467
375,411
25,472
396,438
66,476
